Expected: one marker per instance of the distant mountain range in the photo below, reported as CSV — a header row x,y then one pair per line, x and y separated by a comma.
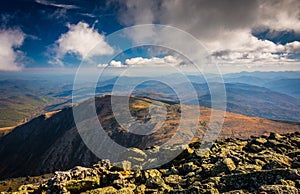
x,y
241,98
272,95
258,101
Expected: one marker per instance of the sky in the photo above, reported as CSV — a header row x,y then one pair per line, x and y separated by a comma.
x,y
238,35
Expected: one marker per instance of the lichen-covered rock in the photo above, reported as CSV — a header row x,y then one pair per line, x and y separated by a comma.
x,y
231,166
134,155
103,190
254,180
76,186
188,167
235,192
173,179
152,173
29,188
278,189
255,148
111,190
275,136
155,182
226,166
207,188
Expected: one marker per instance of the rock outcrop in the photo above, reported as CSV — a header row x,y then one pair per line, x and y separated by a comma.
x,y
267,164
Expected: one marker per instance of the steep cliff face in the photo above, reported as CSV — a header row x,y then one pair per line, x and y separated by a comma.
x,y
23,150
52,142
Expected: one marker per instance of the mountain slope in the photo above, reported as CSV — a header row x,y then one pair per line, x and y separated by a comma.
x,y
49,143
46,144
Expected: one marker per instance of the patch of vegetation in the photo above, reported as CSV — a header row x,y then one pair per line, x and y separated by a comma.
x,y
18,109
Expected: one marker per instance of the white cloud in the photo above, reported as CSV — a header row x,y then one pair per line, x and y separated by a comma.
x,y
167,60
293,47
102,65
140,61
82,40
279,15
113,63
51,3
243,48
88,15
10,39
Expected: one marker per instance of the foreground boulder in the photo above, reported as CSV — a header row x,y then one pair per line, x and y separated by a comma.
x,y
258,165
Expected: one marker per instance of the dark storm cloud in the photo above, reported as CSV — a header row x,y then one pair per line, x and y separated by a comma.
x,y
221,53
199,17
204,18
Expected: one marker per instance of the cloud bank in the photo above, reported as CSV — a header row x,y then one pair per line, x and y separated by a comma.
x,y
10,40
225,27
143,62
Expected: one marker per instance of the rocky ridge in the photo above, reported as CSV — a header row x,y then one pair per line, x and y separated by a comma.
x,y
51,142
266,164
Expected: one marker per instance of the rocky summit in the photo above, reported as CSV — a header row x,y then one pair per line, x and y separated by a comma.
x,y
266,164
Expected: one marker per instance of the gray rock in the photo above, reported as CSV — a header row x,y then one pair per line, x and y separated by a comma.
x,y
278,189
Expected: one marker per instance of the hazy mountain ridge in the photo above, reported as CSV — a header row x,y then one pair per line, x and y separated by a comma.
x,y
286,86
277,93
240,98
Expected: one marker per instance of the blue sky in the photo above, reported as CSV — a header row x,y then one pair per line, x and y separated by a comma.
x,y
241,36
43,23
